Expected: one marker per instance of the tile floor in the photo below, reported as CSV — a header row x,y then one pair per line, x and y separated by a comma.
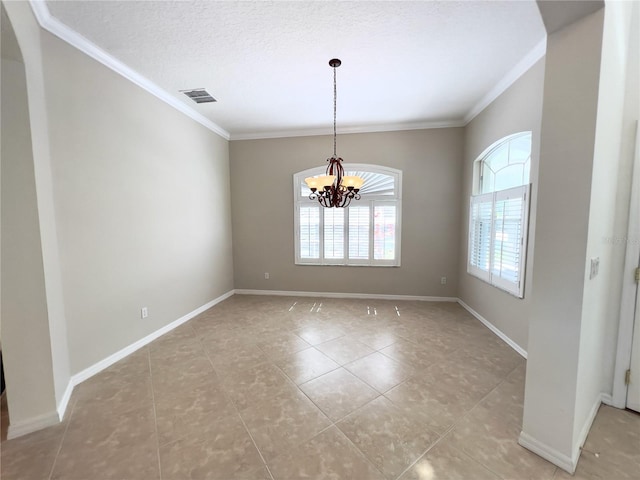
x,y
289,388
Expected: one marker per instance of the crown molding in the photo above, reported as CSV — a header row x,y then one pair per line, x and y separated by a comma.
x,y
60,30
535,54
310,132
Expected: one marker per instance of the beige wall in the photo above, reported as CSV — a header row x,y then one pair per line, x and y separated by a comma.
x,y
26,344
262,205
564,193
518,109
142,205
618,111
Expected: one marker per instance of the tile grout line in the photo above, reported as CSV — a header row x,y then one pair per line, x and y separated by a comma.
x,y
235,408
155,416
335,424
64,435
453,425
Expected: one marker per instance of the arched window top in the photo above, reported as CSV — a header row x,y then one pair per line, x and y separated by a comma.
x,y
505,164
378,181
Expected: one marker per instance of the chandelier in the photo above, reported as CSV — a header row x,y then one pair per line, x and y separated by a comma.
x,y
335,189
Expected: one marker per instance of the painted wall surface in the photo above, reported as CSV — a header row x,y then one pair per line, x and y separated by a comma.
x,y
142,205
263,215
518,109
26,344
618,109
564,192
27,32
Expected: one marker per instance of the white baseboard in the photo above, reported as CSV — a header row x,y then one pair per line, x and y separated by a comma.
x,y
551,454
43,421
607,399
561,460
120,354
374,296
494,329
32,425
64,402
587,425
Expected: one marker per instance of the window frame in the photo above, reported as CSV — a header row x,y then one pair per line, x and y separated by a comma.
x,y
523,191
368,199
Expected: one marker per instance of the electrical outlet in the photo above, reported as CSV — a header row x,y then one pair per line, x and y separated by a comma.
x,y
144,312
443,280
266,275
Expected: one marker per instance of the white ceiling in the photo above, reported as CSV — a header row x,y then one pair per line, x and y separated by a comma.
x,y
404,64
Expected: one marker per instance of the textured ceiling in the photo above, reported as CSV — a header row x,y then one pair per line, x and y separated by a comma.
x,y
404,63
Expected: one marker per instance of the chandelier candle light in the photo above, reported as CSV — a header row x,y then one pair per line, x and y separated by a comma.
x,y
335,189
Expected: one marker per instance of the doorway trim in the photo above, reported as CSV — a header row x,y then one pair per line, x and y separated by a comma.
x,y
629,286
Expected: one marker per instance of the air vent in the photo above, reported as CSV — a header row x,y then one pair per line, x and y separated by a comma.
x,y
199,95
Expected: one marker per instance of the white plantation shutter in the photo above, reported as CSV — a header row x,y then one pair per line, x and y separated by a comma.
x,y
509,226
309,232
334,233
384,232
498,224
480,219
365,233
359,232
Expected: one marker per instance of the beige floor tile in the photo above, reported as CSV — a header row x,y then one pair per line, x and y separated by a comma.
x,y
506,401
225,452
444,462
493,442
254,385
215,343
282,422
438,405
181,335
174,351
319,334
133,462
494,354
109,446
591,467
344,349
377,339
31,456
183,376
133,365
306,365
328,456
473,380
338,393
102,430
447,370
380,371
615,436
282,345
118,394
190,412
419,356
239,359
391,439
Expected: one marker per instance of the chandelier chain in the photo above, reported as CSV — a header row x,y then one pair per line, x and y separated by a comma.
x,y
335,95
334,190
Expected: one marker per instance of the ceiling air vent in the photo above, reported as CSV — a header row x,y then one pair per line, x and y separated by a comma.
x,y
199,95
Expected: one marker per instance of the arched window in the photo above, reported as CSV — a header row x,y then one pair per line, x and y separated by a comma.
x,y
365,233
506,164
498,214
